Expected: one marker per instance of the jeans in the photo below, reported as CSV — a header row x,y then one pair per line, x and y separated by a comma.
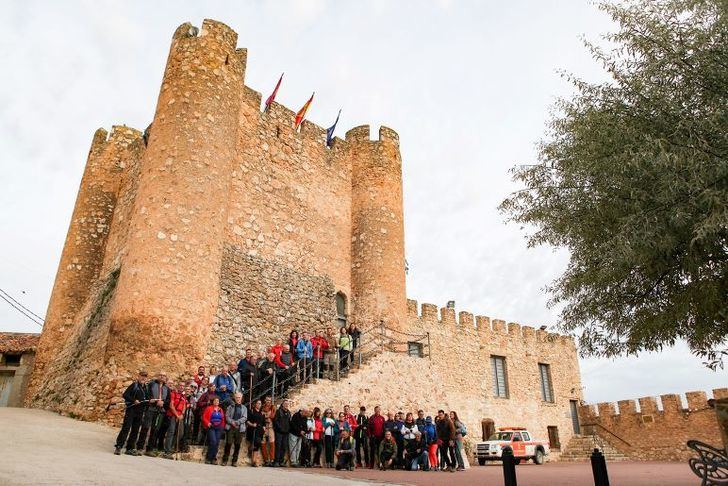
x,y
421,460
130,427
281,447
459,453
213,442
233,437
294,446
171,429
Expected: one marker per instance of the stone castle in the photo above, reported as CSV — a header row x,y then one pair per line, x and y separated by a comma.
x,y
222,228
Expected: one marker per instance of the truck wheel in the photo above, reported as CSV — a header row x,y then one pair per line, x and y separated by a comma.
x,y
481,461
538,458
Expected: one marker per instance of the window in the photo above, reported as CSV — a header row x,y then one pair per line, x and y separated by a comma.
x,y
554,437
341,309
414,349
11,359
526,437
500,382
517,437
547,391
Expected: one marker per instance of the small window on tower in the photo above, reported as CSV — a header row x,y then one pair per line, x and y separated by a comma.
x,y
341,309
11,359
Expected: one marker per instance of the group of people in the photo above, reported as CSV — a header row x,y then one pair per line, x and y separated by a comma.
x,y
238,402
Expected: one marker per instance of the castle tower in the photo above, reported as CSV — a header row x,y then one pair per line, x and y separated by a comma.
x,y
377,248
167,292
83,251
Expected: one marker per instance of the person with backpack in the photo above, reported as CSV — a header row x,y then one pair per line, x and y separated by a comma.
x,y
346,345
254,432
460,432
361,437
446,441
134,399
430,436
345,452
158,395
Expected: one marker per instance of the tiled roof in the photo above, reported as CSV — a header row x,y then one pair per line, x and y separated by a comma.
x,y
18,342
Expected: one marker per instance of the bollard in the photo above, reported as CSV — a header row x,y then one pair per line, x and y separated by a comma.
x,y
599,468
509,468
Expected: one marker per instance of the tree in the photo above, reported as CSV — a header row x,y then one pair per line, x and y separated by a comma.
x,y
632,178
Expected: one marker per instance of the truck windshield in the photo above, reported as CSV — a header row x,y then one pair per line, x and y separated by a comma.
x,y
501,436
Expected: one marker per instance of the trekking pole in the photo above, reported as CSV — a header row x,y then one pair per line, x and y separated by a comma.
x,y
176,451
273,389
250,393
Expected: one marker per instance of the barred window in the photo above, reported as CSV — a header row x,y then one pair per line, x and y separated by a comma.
x,y
547,391
500,380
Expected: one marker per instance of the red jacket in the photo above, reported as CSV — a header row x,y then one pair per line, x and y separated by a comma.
x,y
277,350
320,345
178,402
352,422
376,426
318,431
207,417
198,379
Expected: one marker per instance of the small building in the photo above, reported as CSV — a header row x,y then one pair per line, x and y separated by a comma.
x,y
17,354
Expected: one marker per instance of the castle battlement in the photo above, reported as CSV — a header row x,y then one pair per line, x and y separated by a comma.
x,y
664,404
464,320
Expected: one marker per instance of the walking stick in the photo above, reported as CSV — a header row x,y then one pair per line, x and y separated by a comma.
x,y
176,451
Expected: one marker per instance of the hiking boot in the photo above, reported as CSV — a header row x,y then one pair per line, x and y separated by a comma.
x,y
168,455
117,451
233,464
151,453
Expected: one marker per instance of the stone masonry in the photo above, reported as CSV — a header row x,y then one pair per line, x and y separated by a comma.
x,y
649,432
224,228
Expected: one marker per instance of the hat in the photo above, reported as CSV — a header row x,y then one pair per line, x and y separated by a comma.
x,y
428,420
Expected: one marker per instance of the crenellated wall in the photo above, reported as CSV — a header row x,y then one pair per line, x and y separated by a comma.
x,y
653,428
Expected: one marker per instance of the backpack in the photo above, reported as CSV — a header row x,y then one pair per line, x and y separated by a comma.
x,y
463,429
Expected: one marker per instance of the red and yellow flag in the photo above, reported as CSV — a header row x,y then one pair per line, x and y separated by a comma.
x,y
272,97
302,112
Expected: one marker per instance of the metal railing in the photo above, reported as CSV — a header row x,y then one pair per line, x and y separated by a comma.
x,y
369,343
588,428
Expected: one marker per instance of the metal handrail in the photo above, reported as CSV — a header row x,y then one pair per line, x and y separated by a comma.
x,y
606,430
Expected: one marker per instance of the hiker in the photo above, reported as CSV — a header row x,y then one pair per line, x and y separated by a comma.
x,y
345,452
213,420
282,427
236,416
254,434
158,394
134,399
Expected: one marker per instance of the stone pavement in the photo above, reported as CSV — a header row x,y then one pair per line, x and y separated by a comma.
x,y
39,447
550,474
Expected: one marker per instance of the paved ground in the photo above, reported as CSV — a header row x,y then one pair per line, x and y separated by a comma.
x,y
553,474
38,447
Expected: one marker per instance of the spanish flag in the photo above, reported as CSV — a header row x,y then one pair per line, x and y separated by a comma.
x,y
272,97
302,112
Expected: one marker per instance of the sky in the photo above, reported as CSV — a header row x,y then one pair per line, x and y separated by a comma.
x,y
468,85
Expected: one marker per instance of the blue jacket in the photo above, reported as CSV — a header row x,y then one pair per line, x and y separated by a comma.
x,y
304,349
225,380
430,433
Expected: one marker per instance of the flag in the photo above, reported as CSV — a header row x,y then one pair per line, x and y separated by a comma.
x,y
272,97
302,112
330,131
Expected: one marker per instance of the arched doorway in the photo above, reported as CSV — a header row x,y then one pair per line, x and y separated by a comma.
x,y
488,426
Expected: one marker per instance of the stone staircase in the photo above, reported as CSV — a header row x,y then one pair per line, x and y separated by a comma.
x,y
580,448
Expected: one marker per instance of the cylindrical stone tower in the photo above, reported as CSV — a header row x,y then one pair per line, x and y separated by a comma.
x,y
167,292
377,248
83,251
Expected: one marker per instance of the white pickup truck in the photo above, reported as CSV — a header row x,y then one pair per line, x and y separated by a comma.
x,y
518,440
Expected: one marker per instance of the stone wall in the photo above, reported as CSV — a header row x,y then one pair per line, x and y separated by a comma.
x,y
652,432
261,300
